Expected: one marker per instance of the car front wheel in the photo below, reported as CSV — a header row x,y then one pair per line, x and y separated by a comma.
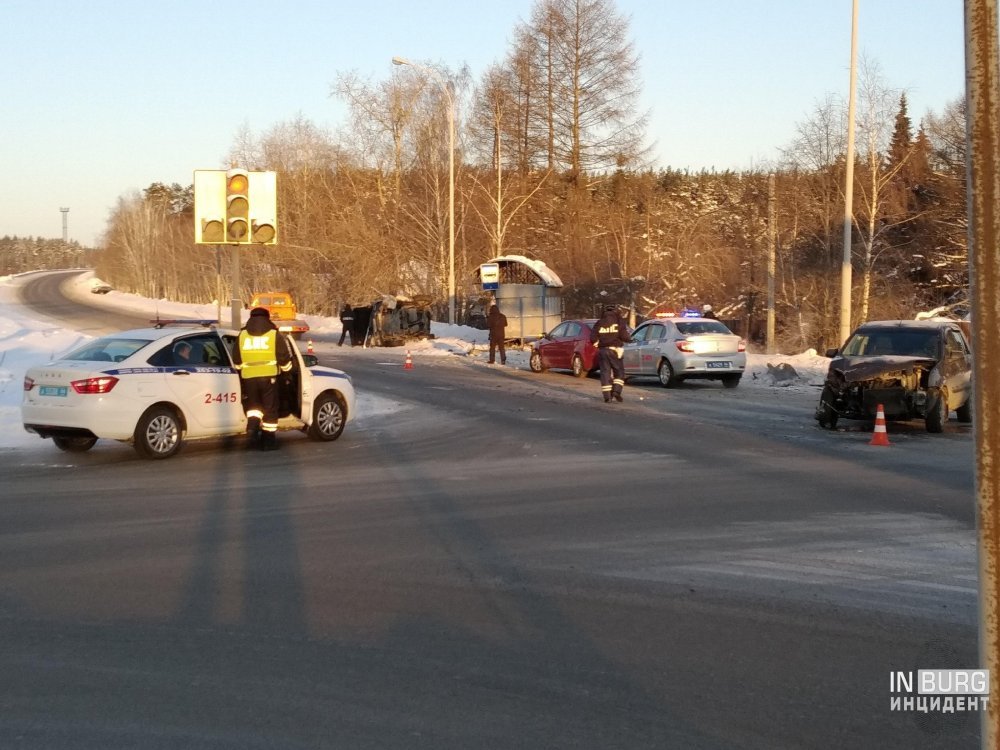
x,y
158,434
825,414
74,444
535,362
937,412
329,418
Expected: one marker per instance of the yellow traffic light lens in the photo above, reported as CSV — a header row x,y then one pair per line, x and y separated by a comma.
x,y
212,230
263,232
238,183
237,230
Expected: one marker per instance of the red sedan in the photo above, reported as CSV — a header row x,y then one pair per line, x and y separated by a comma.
x,y
566,347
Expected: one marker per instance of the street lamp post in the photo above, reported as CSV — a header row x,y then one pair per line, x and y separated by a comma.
x,y
451,178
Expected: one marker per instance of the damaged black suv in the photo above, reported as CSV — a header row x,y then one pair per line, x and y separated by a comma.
x,y
913,368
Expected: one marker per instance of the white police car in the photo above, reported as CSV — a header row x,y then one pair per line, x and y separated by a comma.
x,y
137,387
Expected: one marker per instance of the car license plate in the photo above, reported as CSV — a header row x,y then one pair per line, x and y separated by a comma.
x,y
52,390
718,365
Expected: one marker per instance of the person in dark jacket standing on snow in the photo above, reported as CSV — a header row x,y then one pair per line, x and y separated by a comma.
x,y
346,324
610,334
497,323
260,354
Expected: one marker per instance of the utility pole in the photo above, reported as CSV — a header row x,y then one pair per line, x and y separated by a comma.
x,y
982,96
65,224
772,242
845,266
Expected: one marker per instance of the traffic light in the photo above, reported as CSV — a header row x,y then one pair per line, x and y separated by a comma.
x,y
263,208
237,206
209,207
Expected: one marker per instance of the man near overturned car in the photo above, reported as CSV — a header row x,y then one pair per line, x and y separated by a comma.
x,y
346,324
610,334
260,354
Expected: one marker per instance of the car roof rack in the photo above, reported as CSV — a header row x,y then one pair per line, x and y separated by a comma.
x,y
204,323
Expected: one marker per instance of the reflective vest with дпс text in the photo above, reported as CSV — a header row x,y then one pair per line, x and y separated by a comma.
x,y
259,354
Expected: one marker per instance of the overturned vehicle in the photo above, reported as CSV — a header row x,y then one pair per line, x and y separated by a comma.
x,y
912,368
392,321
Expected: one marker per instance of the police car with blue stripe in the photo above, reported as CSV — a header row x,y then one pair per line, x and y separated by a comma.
x,y
160,386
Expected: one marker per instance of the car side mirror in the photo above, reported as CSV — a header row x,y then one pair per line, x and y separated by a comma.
x,y
310,360
831,353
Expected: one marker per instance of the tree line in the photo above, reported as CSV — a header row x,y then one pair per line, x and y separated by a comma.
x,y
552,163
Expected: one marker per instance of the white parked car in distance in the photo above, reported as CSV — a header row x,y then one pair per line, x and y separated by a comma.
x,y
134,387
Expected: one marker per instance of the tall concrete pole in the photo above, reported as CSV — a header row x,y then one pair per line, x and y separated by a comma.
x,y
65,224
845,266
448,92
772,249
982,76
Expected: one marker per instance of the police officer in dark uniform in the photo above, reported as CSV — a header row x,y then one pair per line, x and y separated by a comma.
x,y
261,353
707,312
346,324
610,334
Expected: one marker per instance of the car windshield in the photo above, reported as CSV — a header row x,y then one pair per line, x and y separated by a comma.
x,y
898,342
701,326
110,349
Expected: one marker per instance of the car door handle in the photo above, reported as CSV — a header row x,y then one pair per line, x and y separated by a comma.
x,y
181,372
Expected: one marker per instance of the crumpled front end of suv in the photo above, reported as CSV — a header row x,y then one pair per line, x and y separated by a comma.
x,y
855,390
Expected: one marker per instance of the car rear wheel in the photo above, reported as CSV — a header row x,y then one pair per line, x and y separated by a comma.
x,y
964,412
74,444
535,362
158,434
577,366
666,374
937,413
329,417
731,381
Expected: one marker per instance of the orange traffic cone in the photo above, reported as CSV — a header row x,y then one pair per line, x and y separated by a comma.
x,y
408,365
309,349
880,436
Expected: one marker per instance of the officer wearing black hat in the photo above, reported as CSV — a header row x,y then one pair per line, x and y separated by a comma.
x,y
610,334
261,353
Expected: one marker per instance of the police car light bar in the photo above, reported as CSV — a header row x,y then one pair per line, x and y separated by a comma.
x,y
205,323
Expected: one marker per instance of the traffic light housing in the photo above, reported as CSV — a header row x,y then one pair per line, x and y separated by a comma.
x,y
209,207
263,217
235,207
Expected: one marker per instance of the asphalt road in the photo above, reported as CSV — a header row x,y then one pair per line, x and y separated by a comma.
x,y
497,560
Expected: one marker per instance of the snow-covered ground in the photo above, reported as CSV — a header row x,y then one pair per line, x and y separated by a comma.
x,y
27,341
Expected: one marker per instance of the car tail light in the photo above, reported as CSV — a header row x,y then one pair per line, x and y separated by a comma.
x,y
29,383
742,346
102,384
685,346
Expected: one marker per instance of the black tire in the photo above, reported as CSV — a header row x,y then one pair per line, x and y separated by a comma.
x,y
329,417
666,374
825,414
74,444
826,417
159,433
535,362
577,366
964,412
731,381
937,412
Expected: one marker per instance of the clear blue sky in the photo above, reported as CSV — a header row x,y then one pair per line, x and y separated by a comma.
x,y
103,97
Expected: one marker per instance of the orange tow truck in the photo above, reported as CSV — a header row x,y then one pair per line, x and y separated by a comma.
x,y
283,312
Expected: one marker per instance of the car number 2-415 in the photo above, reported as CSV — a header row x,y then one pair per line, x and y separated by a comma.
x,y
222,398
